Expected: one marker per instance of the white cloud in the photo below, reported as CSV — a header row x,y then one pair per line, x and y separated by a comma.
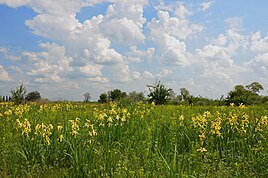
x,y
206,5
148,75
102,53
3,50
136,75
259,44
173,51
260,64
50,65
134,59
182,12
141,53
235,23
53,26
98,79
178,27
169,33
4,74
91,70
124,21
164,73
14,3
123,31
224,48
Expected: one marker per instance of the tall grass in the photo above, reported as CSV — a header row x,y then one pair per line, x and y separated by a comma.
x,y
134,140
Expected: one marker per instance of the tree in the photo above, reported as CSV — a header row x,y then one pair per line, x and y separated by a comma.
x,y
33,96
18,94
255,87
103,98
136,96
87,97
246,95
116,95
184,94
159,93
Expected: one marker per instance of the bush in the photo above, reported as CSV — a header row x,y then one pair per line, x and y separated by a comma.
x,y
18,94
33,96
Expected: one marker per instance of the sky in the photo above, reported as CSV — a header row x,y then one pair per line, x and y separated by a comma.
x,y
66,48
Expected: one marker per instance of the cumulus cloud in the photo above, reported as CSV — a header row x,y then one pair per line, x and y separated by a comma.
x,y
170,33
176,26
148,75
91,70
123,31
224,48
124,21
49,65
259,43
4,74
137,54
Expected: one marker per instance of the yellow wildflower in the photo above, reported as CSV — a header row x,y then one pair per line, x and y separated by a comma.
x,y
60,138
202,137
202,150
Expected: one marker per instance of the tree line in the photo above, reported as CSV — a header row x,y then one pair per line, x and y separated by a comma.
x,y
159,94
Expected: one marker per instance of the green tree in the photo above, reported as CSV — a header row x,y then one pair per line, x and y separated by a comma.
x,y
246,95
159,93
18,94
103,98
116,95
255,87
33,96
136,96
184,94
87,97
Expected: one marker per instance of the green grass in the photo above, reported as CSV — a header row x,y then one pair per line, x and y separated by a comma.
x,y
134,140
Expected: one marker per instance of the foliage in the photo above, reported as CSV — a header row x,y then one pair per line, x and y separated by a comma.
x,y
18,94
247,95
116,95
185,94
103,98
136,96
87,97
159,93
33,96
255,87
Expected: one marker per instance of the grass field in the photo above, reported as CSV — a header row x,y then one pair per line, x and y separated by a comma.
x,y
134,140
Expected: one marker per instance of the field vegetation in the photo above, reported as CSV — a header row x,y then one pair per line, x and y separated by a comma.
x,y
120,139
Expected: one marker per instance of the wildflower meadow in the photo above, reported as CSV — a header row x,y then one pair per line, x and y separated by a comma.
x,y
132,140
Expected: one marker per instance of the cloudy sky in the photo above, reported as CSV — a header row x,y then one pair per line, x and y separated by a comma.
x,y
65,48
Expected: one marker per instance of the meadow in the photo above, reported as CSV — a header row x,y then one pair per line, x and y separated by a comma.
x,y
132,140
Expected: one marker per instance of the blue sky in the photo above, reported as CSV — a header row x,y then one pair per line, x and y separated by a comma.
x,y
65,48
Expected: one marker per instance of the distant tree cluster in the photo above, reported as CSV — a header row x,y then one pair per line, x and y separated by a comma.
x,y
118,95
248,94
20,95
